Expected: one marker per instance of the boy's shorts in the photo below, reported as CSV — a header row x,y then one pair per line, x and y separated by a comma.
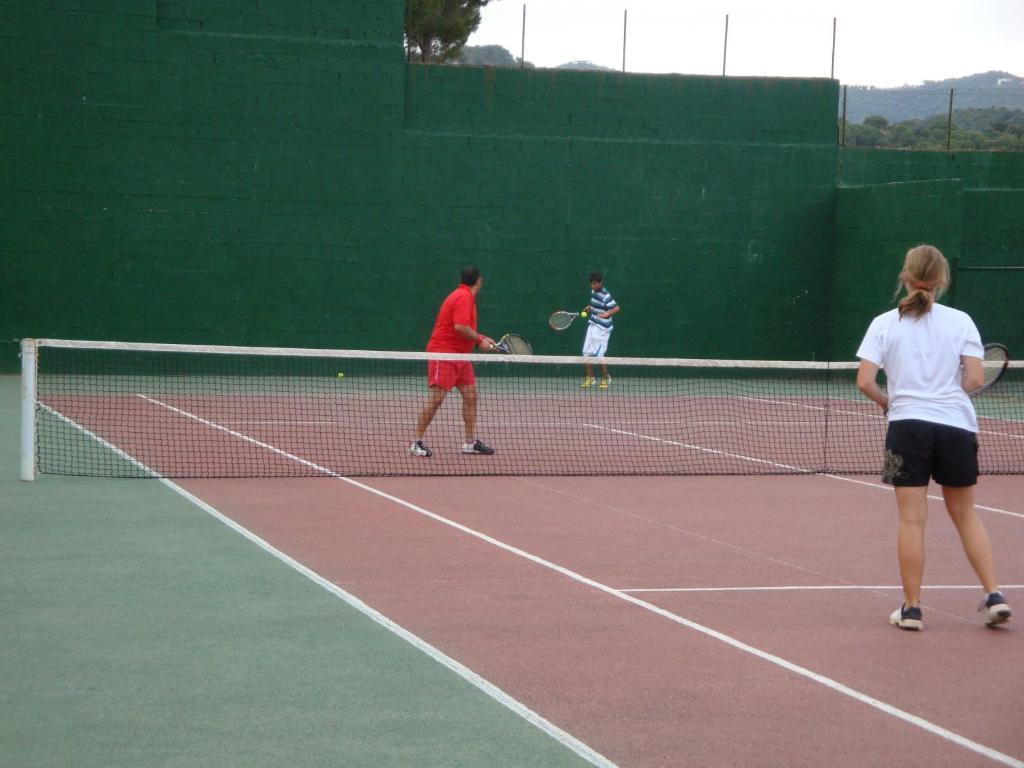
x,y
596,342
918,450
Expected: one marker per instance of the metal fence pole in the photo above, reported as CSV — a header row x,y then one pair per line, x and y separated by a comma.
x,y
949,120
522,41
725,45
832,72
624,12
842,128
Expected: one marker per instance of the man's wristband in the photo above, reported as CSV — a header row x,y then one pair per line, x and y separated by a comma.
x,y
479,339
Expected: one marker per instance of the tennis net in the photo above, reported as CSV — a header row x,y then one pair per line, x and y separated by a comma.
x,y
179,411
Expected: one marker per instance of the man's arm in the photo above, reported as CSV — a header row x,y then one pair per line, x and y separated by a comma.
x,y
610,312
484,342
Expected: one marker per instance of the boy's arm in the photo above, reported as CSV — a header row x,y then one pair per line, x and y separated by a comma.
x,y
610,312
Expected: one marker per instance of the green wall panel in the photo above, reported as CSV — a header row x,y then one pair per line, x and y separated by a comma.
x,y
875,226
978,170
990,276
620,106
989,219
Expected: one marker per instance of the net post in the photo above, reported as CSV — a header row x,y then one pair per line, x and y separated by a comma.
x,y
28,409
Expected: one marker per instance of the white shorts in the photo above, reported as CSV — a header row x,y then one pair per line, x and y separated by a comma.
x,y
596,342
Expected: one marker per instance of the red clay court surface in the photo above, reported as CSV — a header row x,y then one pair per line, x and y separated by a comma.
x,y
680,621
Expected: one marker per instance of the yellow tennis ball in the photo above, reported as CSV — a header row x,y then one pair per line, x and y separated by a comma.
x,y
583,314
341,375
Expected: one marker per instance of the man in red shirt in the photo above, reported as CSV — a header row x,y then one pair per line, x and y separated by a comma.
x,y
454,331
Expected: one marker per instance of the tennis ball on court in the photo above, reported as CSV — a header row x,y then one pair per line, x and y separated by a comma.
x,y
341,375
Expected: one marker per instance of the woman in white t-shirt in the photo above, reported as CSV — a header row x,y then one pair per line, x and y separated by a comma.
x,y
932,432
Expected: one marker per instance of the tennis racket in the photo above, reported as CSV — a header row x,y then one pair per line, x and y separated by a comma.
x,y
994,365
559,321
513,344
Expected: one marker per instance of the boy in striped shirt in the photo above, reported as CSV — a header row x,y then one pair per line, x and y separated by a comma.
x,y
599,329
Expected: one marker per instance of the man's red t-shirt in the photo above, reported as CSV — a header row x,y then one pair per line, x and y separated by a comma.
x,y
458,308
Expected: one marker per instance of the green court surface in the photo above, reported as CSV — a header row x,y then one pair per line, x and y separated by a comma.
x,y
140,631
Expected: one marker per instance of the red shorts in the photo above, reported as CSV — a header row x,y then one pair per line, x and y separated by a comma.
x,y
449,373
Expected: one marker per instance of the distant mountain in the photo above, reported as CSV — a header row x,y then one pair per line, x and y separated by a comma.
x,y
988,89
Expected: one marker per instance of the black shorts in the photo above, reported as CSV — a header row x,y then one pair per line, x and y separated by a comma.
x,y
918,450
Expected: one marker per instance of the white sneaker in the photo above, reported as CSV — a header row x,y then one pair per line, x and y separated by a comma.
x,y
995,608
419,449
907,618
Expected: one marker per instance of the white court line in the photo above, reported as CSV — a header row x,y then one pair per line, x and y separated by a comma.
x,y
889,488
699,448
778,465
803,587
556,424
828,682
875,415
810,407
496,693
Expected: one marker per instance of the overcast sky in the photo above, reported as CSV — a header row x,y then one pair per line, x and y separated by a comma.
x,y
878,42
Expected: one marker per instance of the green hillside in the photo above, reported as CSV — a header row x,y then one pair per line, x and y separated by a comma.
x,y
908,102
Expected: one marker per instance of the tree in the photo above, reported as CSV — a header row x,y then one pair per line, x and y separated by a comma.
x,y
484,56
990,129
436,30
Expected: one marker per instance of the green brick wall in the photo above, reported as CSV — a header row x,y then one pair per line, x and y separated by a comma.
x,y
619,107
707,226
187,172
986,224
979,170
875,226
993,240
275,173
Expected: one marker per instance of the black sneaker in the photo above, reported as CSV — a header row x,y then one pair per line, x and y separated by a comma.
x,y
907,618
419,449
995,608
477,446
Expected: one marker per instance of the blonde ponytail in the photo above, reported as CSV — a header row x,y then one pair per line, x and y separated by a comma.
x,y
925,276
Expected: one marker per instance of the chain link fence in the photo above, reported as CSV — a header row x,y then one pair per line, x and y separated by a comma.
x,y
982,111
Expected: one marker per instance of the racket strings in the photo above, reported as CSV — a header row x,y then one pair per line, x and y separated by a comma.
x,y
561,320
997,358
515,345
